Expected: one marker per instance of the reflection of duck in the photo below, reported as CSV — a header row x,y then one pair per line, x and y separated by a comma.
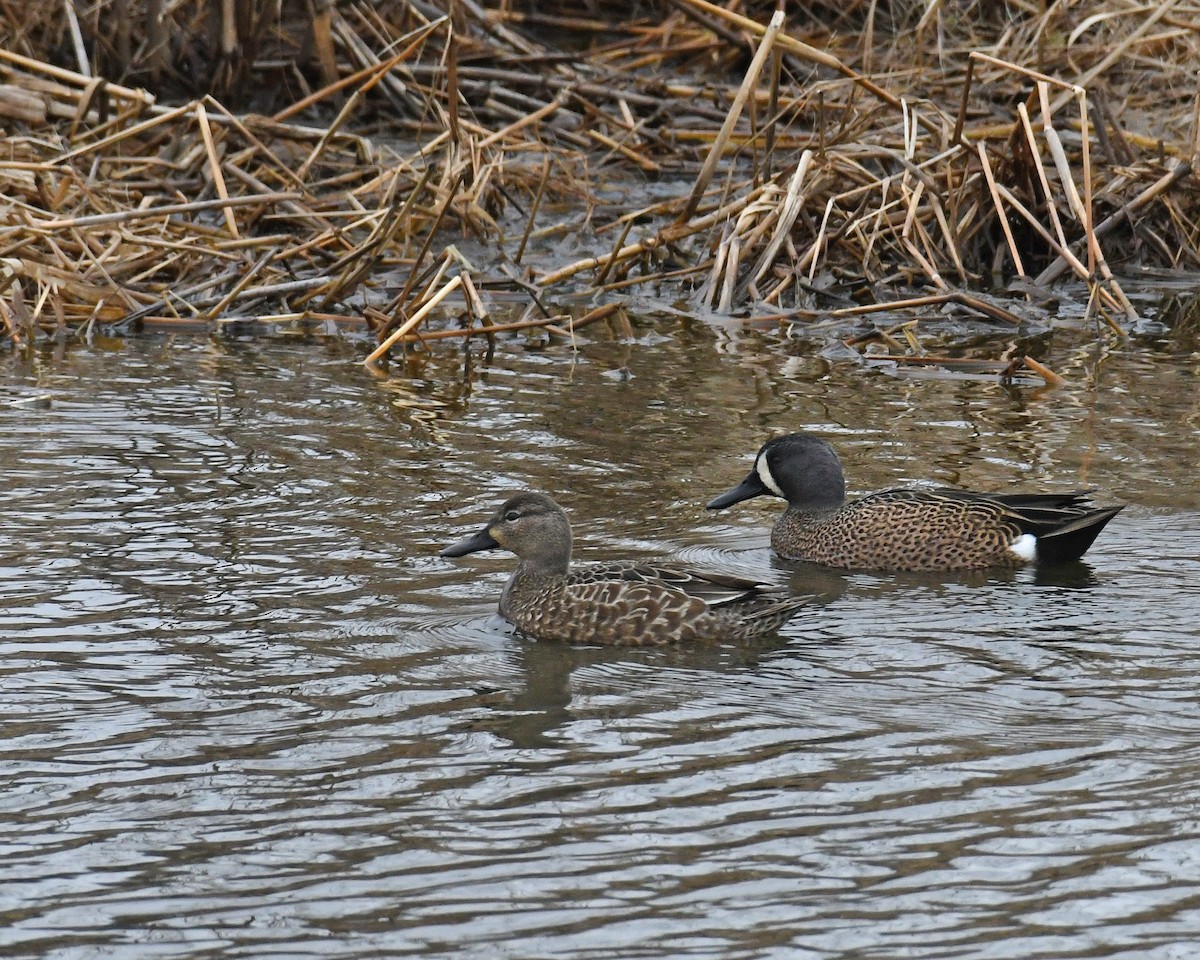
x,y
909,529
561,683
615,603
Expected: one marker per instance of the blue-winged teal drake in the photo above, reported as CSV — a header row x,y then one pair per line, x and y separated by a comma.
x,y
622,603
942,529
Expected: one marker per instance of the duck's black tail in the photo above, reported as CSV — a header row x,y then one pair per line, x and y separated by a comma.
x,y
1070,541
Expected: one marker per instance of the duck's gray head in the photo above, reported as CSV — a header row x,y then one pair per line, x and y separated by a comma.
x,y
799,467
531,525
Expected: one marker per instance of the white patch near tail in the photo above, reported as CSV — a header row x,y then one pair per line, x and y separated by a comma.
x,y
764,474
1025,547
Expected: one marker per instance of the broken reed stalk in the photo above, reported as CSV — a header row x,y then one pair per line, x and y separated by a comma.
x,y
241,285
381,351
810,53
169,210
533,209
735,111
986,166
214,166
1177,170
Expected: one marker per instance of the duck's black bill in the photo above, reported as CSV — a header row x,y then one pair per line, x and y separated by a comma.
x,y
752,486
472,544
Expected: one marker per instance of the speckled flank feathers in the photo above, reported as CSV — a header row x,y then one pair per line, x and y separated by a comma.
x,y
909,529
624,603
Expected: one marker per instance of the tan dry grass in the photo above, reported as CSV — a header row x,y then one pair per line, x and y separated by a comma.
x,y
930,147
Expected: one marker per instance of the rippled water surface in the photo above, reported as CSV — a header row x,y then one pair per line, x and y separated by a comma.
x,y
249,713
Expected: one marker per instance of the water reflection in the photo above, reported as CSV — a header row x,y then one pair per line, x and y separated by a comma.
x,y
545,702
249,711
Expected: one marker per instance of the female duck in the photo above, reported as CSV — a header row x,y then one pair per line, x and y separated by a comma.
x,y
940,529
614,603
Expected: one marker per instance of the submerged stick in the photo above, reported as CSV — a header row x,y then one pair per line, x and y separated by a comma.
x,y
1052,379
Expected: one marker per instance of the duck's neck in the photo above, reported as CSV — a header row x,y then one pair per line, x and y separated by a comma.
x,y
542,568
811,512
531,576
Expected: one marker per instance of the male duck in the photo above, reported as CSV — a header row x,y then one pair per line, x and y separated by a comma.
x,y
942,529
623,603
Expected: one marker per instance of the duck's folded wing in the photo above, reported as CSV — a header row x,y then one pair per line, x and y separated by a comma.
x,y
1067,503
713,588
1030,509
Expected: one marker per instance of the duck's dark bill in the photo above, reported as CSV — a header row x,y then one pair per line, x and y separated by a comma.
x,y
475,542
752,486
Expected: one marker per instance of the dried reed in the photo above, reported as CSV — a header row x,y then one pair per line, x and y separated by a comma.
x,y
317,163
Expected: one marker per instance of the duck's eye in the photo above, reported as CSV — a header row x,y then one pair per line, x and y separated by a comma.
x,y
512,515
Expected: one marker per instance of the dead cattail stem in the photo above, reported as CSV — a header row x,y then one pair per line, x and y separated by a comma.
x,y
536,117
140,97
533,210
1000,215
735,110
214,165
807,52
1177,171
124,216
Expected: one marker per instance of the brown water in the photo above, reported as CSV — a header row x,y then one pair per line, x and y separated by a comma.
x,y
249,713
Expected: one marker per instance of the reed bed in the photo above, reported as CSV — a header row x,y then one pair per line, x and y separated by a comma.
x,y
396,168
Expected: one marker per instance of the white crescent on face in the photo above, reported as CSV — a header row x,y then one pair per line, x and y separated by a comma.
x,y
764,474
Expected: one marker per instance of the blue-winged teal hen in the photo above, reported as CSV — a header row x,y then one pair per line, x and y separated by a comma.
x,y
614,603
942,529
